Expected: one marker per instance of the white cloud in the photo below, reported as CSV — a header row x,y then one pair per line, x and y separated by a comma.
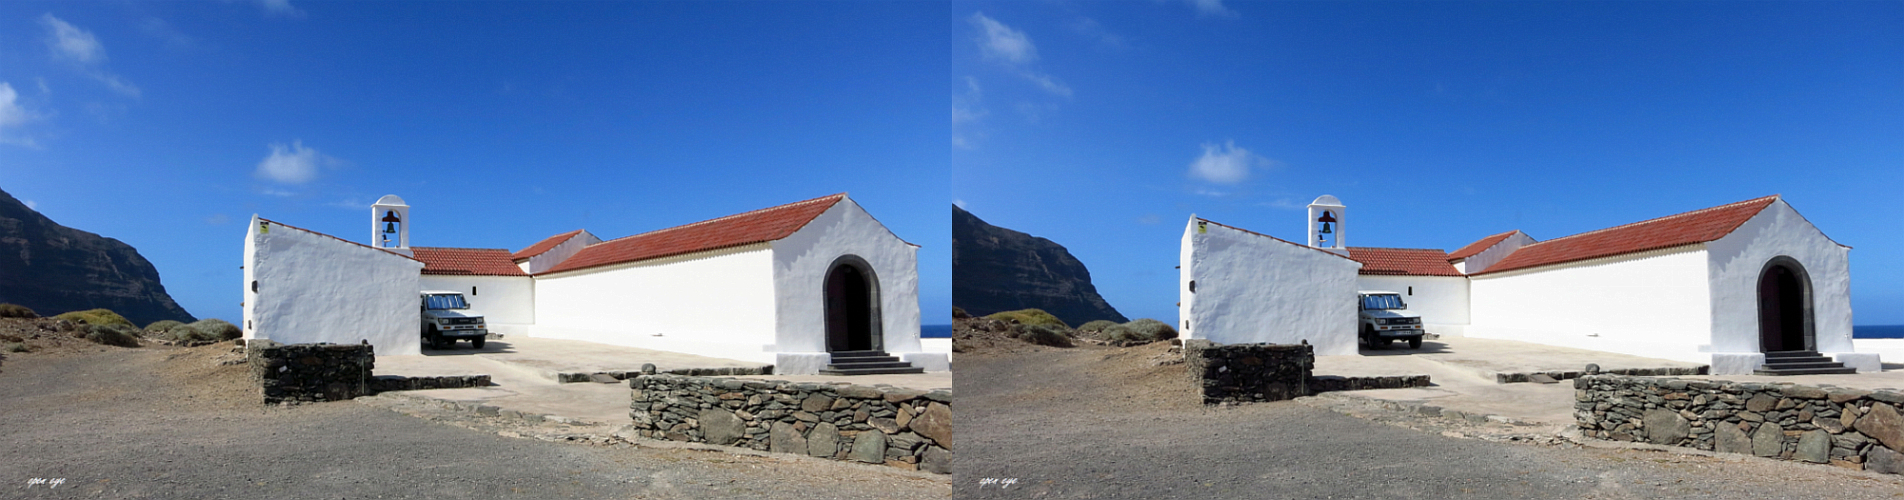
x,y
294,164
1089,28
70,42
1211,8
217,219
32,205
1001,42
158,28
1048,83
277,192
967,109
959,202
13,116
1225,163
282,8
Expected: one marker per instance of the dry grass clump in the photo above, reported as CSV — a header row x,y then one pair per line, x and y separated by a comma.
x,y
17,311
97,317
1029,317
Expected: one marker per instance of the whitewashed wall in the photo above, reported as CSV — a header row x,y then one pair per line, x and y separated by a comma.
x,y
1442,301
317,288
1653,304
1736,260
1253,288
549,259
718,303
507,303
800,264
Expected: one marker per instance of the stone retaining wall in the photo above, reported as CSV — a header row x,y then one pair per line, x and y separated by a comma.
x,y
1849,428
902,428
1523,377
1271,372
649,369
1249,372
387,383
310,372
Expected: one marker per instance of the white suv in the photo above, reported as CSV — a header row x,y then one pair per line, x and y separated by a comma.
x,y
447,319
1382,320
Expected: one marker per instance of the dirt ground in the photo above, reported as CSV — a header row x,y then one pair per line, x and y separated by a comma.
x,y
171,422
1104,422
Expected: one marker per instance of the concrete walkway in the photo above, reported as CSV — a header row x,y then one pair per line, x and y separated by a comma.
x,y
523,370
1463,373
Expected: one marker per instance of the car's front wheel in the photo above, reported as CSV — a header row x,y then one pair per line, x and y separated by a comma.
x,y
477,343
1414,343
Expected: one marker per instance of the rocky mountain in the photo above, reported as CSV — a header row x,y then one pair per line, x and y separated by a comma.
x,y
54,269
996,269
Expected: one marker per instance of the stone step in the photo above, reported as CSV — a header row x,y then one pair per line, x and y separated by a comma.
x,y
1842,370
868,359
881,364
1791,354
858,354
871,371
1818,363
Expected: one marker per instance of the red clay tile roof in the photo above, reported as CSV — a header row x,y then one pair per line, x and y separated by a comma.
x,y
1478,246
1403,261
467,261
281,224
545,245
767,224
1200,219
1698,226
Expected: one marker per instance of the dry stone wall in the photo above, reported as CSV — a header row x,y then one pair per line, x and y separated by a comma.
x,y
310,372
1233,373
1851,428
902,428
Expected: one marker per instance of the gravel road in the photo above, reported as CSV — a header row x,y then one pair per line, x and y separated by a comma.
x,y
1095,422
165,423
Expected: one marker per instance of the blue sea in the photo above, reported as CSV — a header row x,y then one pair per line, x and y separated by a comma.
x,y
941,331
1877,331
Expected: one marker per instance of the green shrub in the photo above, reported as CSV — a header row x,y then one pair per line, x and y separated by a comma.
x,y
17,347
162,326
1153,329
96,317
1044,335
212,329
119,335
1097,325
1029,317
17,311
1142,330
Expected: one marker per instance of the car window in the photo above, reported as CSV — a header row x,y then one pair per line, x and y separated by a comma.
x,y
445,302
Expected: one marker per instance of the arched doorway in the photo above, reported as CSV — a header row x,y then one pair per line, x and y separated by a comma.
x,y
1785,322
852,306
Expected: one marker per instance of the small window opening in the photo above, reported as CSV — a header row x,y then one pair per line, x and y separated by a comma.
x,y
472,291
254,287
1193,286
1411,291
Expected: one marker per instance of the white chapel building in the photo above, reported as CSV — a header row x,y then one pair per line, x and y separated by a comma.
x,y
788,285
1723,285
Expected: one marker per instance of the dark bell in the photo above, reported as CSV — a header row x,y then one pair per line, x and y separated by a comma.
x,y
391,227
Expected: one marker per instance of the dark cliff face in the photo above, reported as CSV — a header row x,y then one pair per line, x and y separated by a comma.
x,y
996,269
54,269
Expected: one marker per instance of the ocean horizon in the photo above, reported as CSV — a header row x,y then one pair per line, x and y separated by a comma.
x,y
1877,331
941,331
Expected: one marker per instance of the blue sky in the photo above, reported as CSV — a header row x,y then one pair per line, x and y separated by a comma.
x,y
1104,125
167,125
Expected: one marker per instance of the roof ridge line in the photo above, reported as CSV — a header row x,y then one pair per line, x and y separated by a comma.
x,y
1657,219
841,195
